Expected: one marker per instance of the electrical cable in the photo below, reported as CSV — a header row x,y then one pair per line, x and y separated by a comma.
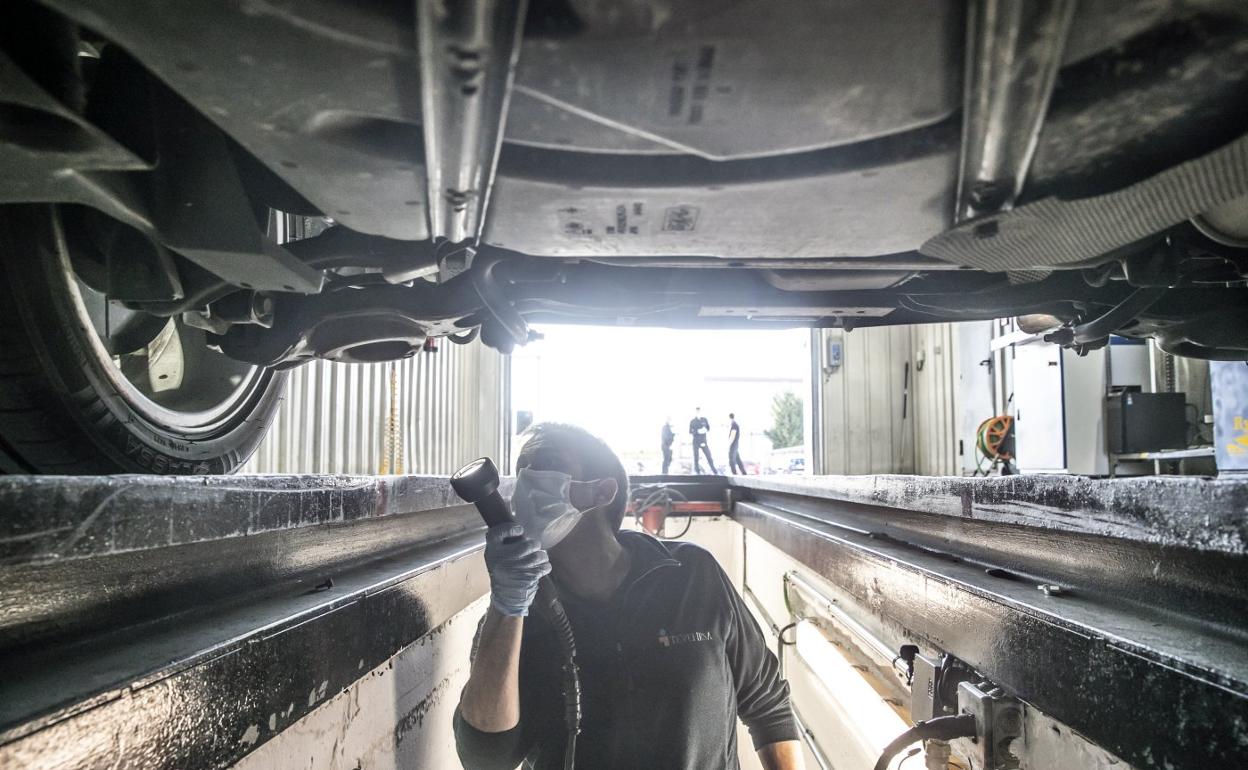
x,y
909,755
942,728
781,644
780,634
477,483
663,495
392,451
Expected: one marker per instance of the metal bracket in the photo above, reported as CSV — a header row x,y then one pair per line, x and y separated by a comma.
x,y
933,690
1013,54
198,205
468,55
202,212
998,723
42,141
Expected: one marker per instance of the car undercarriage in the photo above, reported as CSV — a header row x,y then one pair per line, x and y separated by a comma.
x,y
269,183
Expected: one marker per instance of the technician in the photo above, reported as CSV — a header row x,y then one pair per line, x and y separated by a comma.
x,y
666,437
669,654
699,426
734,441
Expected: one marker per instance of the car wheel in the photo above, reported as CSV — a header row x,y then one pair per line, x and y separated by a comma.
x,y
89,386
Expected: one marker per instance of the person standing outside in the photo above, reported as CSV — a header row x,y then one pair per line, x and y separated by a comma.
x,y
699,426
734,438
668,436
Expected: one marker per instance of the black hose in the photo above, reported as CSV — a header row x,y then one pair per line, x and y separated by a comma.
x,y
937,728
490,291
466,337
1109,322
551,608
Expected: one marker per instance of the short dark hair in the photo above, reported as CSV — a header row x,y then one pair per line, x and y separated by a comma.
x,y
596,458
731,416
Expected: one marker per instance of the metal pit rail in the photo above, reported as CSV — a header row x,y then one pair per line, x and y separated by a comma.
x,y
164,617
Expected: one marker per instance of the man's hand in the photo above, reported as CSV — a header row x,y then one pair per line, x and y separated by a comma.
x,y
491,699
514,569
783,755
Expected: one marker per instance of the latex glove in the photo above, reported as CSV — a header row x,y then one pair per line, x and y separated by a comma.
x,y
514,569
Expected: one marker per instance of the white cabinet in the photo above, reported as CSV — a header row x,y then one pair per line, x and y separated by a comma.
x,y
1039,415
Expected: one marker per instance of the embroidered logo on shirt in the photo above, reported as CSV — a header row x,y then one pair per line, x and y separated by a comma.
x,y
671,640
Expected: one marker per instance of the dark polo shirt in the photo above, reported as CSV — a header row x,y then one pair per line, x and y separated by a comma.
x,y
667,665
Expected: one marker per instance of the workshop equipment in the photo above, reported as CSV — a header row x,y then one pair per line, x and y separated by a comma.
x,y
994,441
1230,414
651,505
1145,422
1057,398
477,483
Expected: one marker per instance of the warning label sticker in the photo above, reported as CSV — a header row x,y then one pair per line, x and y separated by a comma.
x,y
680,219
574,221
629,219
694,85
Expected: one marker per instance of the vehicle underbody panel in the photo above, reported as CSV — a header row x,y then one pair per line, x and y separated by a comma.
x,y
728,164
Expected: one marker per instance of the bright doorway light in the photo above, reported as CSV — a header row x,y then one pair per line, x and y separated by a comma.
x,y
621,383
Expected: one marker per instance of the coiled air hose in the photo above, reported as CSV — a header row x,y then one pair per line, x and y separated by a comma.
x,y
549,606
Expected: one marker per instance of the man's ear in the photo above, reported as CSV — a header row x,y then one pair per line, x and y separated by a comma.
x,y
591,494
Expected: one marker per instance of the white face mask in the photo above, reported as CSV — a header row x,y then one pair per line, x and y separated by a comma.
x,y
543,506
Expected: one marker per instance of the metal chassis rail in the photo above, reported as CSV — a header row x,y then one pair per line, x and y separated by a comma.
x,y
182,622
187,621
1117,607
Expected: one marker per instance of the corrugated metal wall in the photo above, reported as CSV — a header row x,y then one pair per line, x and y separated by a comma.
x,y
427,414
861,415
862,422
936,402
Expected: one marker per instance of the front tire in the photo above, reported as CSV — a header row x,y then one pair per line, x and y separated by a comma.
x,y
69,405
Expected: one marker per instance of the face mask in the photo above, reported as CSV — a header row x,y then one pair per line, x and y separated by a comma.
x,y
543,507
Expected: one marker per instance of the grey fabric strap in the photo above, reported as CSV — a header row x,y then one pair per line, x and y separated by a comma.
x,y
1056,232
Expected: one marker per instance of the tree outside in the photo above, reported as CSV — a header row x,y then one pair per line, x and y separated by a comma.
x,y
786,421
